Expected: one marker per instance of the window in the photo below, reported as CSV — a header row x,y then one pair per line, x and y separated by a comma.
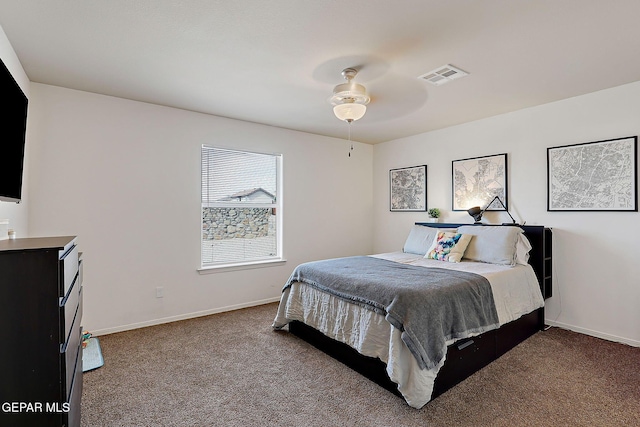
x,y
241,207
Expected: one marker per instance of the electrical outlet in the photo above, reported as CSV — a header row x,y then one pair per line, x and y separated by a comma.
x,y
159,292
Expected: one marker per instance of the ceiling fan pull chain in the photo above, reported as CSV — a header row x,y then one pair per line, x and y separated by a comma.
x,y
350,143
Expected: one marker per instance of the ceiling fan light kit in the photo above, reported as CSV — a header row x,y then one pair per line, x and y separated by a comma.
x,y
349,111
349,99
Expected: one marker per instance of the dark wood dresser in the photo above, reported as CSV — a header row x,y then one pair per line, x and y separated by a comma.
x,y
40,332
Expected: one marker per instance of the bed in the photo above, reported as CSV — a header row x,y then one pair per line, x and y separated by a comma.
x,y
346,308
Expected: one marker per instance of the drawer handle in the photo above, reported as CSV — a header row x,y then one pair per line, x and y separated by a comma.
x,y
465,345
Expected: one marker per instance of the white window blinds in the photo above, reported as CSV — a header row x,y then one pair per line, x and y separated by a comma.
x,y
240,207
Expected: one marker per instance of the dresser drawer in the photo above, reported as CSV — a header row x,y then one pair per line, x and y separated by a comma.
x,y
72,418
68,270
79,313
70,353
69,309
80,268
75,373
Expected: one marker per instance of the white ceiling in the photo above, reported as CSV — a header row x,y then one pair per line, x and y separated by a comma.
x,y
276,61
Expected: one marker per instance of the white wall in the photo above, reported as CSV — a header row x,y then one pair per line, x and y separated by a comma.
x,y
16,213
125,177
596,268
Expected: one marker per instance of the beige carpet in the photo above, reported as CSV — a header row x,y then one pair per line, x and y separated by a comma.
x,y
231,370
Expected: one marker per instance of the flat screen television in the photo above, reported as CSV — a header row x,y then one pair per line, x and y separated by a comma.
x,y
12,136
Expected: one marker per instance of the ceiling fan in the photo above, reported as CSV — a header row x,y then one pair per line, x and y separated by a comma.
x,y
349,99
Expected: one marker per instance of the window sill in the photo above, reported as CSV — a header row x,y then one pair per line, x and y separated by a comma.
x,y
241,266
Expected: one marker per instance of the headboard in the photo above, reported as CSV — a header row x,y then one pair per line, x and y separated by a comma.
x,y
540,256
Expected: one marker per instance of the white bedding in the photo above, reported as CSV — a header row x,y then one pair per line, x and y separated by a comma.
x,y
515,291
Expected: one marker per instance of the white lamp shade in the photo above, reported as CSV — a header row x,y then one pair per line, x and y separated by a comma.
x,y
349,111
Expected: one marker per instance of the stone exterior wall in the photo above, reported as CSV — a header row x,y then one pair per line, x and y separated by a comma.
x,y
235,223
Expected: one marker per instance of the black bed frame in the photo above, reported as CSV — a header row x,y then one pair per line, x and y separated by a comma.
x,y
466,356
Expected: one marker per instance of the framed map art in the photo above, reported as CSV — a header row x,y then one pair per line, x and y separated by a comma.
x,y
408,189
478,180
593,176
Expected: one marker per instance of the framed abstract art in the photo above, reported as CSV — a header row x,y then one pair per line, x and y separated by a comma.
x,y
478,180
593,176
408,189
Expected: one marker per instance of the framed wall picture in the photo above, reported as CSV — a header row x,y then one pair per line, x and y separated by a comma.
x,y
408,189
477,181
593,176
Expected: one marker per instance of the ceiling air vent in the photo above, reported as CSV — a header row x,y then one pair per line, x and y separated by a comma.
x,y
443,75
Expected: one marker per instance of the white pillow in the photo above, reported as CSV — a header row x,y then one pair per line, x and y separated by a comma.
x,y
448,246
492,244
420,239
522,250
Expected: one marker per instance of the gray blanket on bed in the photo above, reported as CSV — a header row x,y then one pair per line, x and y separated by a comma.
x,y
429,305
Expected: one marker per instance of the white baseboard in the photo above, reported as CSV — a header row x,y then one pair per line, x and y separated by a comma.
x,y
193,315
596,334
186,316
